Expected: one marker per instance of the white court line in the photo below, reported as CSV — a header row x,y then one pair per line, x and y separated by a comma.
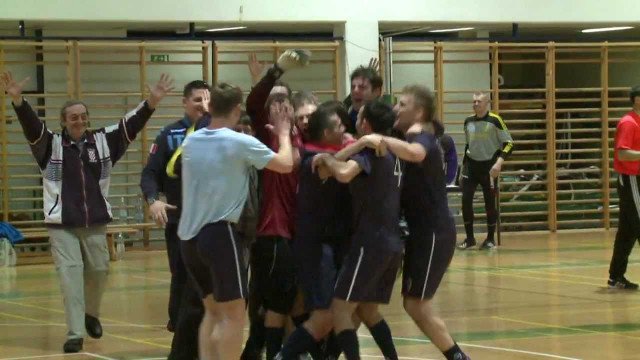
x,y
491,348
99,356
520,351
39,356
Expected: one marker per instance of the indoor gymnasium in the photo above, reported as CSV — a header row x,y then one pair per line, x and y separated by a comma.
x,y
319,180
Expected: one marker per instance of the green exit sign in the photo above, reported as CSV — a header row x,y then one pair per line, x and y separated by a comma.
x,y
160,58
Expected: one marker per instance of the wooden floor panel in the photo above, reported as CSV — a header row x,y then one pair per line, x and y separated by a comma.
x,y
539,296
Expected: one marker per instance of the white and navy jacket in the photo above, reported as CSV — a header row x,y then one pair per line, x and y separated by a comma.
x,y
76,179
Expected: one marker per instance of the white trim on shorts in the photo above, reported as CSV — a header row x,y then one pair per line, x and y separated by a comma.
x,y
275,254
355,273
235,253
426,278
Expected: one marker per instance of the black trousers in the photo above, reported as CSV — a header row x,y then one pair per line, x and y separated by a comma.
x,y
477,173
185,305
628,224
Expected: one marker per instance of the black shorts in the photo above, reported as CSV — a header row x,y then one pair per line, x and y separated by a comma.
x,y
317,263
214,259
426,259
368,275
274,270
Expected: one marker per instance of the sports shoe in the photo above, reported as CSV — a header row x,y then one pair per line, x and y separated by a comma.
x,y
621,283
467,243
93,326
488,245
73,345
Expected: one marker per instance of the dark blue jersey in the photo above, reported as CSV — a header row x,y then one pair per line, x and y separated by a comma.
x,y
375,194
424,196
323,207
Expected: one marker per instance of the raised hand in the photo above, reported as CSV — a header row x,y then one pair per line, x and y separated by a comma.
x,y
374,64
281,116
205,96
12,87
159,90
255,68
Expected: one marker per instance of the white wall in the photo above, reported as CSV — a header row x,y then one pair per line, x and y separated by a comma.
x,y
328,10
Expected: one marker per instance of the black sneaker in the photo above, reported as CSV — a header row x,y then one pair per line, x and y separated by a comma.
x,y
467,243
621,283
73,345
488,245
461,356
93,326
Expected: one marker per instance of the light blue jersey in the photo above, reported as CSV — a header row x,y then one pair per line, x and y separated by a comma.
x,y
215,176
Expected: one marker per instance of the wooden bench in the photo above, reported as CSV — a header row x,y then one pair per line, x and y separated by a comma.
x,y
112,232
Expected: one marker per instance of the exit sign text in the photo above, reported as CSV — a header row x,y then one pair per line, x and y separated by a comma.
x,y
160,58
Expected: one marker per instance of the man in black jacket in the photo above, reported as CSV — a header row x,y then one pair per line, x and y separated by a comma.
x,y
185,307
76,169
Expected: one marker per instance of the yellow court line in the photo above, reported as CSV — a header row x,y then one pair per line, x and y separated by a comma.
x,y
165,281
552,273
139,341
532,277
27,318
60,295
165,338
62,312
529,312
567,328
105,334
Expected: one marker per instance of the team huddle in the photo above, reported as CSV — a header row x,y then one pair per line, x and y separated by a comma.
x,y
328,247
307,198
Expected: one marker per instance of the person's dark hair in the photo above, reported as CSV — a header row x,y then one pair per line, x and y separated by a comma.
x,y
278,98
380,116
68,104
424,98
194,85
244,119
635,91
282,83
319,119
224,98
368,73
303,97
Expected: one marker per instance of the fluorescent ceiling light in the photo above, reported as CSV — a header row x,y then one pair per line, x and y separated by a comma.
x,y
451,30
227,28
613,28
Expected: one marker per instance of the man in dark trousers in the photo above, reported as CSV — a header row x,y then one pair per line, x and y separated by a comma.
x,y
488,145
626,161
185,307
